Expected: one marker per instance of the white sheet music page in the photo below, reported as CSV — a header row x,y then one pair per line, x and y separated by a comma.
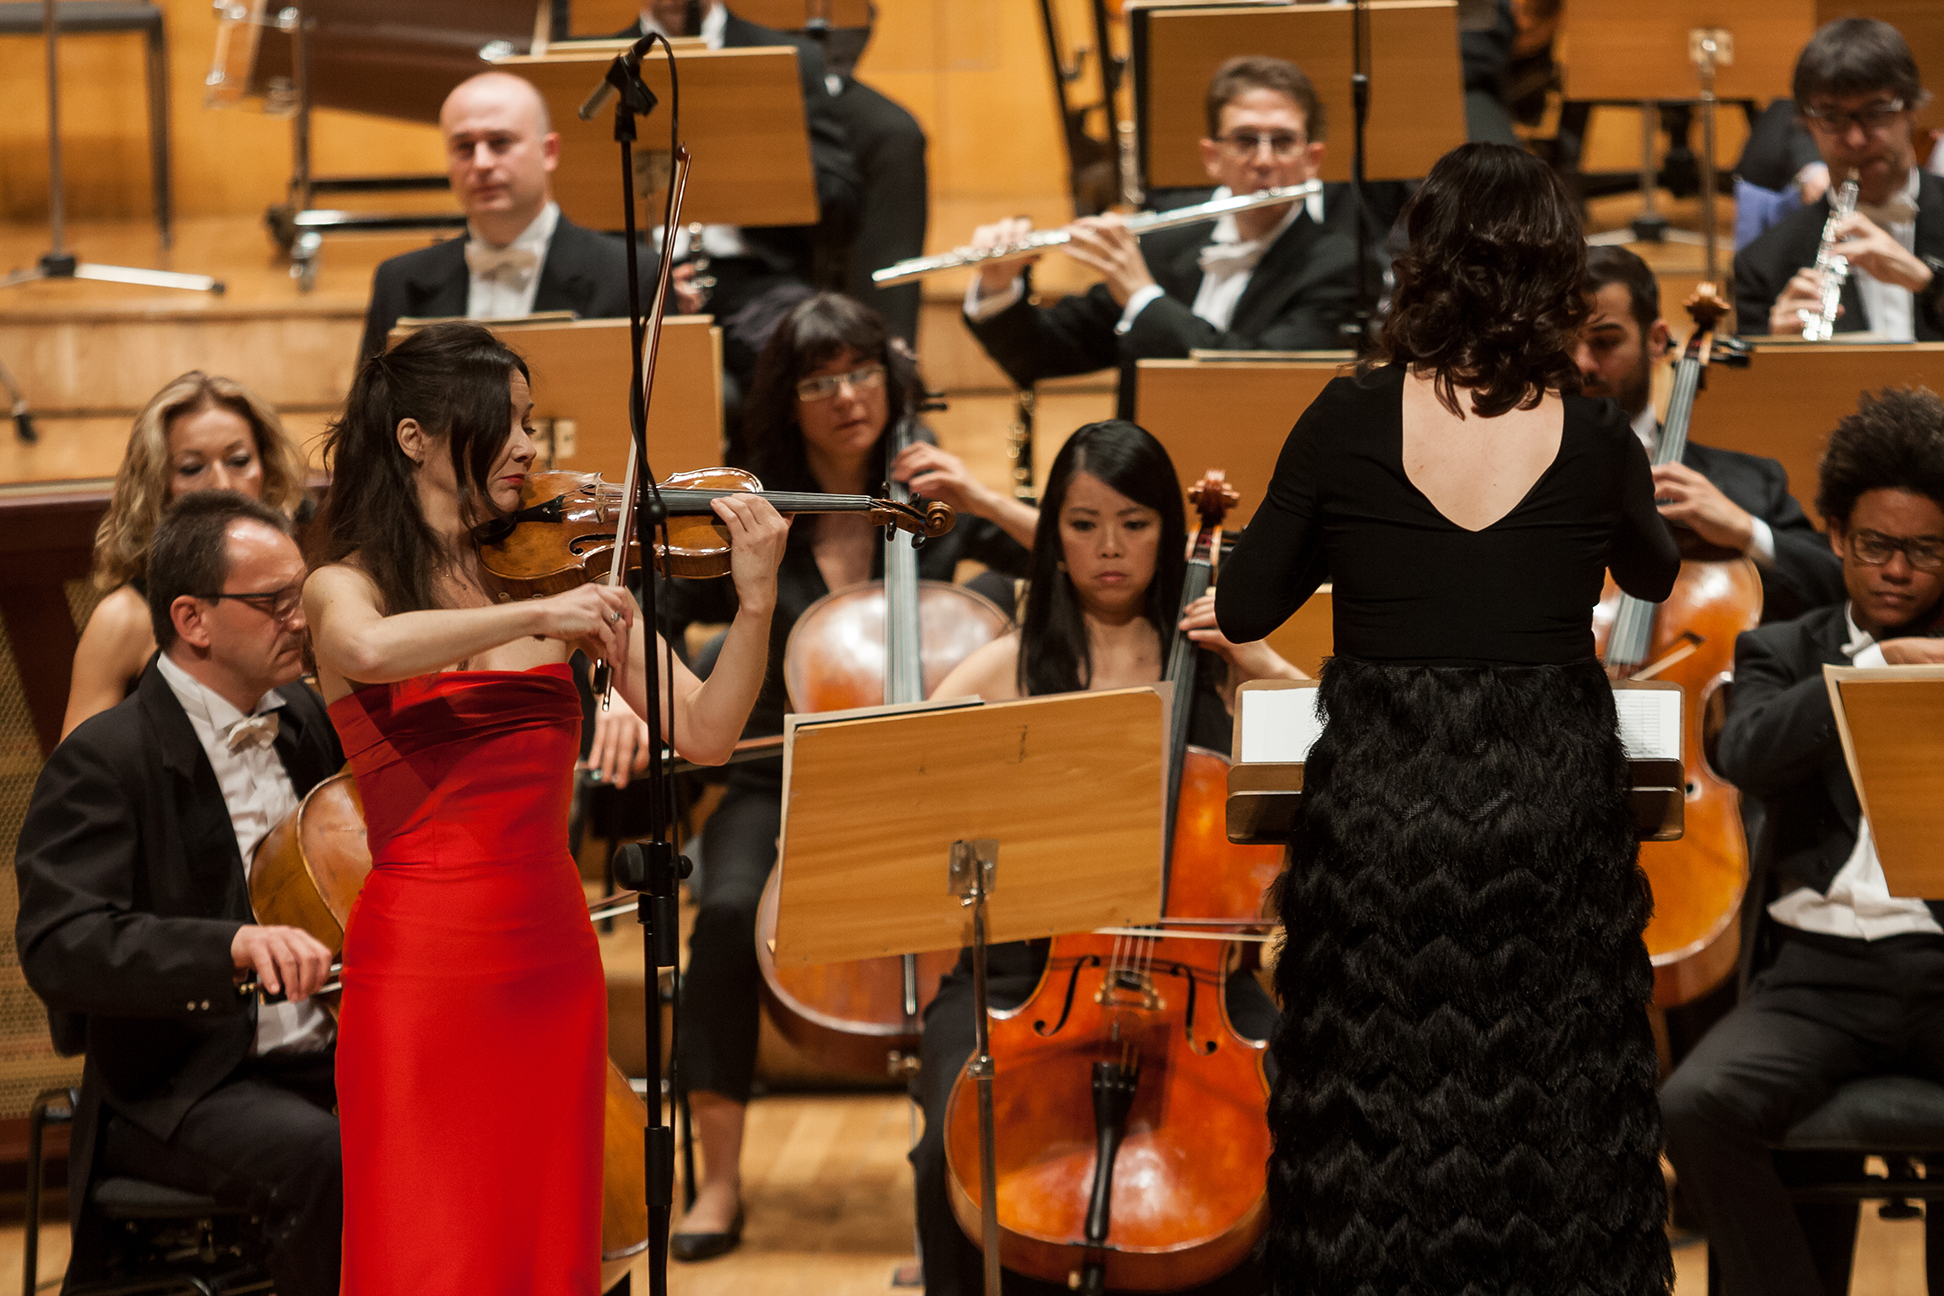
x,y
1279,726
1650,723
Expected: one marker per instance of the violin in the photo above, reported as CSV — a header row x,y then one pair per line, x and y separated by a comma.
x,y
1134,1116
562,535
1694,936
307,872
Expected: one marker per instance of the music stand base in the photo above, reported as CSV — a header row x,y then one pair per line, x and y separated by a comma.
x,y
64,265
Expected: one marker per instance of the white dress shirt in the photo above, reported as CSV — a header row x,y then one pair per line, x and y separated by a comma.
x,y
1227,265
511,274
1890,311
1858,903
259,796
1761,537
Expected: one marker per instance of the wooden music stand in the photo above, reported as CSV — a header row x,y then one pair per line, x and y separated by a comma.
x,y
1638,49
1891,719
581,373
895,820
1417,96
1786,403
1276,724
743,119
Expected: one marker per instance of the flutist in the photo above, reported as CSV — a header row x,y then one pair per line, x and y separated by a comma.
x,y
1856,89
1273,278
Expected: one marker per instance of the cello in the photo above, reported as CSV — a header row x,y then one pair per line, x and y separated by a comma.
x,y
1694,935
307,872
1133,1114
878,642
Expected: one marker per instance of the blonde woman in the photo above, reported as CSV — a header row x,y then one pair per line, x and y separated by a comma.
x,y
200,432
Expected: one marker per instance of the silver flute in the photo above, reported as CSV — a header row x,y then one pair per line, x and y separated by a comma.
x,y
1040,240
1820,325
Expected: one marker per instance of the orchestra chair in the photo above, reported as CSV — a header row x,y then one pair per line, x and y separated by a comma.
x,y
1897,1118
162,1239
91,18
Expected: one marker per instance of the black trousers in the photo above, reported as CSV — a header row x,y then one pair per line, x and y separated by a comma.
x,y
953,1262
1828,1010
265,1140
718,1015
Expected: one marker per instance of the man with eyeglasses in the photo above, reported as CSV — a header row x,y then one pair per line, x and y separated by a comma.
x,y
1857,91
1851,977
1272,279
135,924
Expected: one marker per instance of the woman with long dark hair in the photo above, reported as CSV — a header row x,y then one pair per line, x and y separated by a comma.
x,y
1465,1097
829,387
473,1036
1108,561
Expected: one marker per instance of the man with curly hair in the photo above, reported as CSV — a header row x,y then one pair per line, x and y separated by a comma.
x,y
1852,977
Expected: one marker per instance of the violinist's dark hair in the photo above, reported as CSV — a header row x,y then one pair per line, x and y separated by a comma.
x,y
1894,441
816,331
454,379
1488,295
189,551
1054,656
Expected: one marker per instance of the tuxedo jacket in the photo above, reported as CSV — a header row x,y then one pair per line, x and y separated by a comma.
x,y
1299,294
1807,573
1765,266
585,272
1779,744
131,890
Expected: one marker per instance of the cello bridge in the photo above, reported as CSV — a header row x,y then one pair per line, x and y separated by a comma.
x,y
1126,988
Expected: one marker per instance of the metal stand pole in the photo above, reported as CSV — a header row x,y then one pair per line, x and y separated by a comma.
x,y
1707,48
974,869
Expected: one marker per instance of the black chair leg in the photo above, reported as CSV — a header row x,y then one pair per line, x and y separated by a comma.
x,y
1934,1247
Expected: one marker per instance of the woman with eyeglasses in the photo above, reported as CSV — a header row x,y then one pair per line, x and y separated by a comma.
x,y
200,432
828,389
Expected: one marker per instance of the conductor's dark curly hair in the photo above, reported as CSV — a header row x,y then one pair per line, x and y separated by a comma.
x,y
1488,295
1894,441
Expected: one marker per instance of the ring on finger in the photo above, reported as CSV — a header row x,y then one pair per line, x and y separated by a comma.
x,y
613,617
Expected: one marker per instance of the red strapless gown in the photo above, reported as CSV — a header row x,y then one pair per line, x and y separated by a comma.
x,y
472,1042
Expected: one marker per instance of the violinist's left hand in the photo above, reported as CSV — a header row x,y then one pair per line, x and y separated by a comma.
x,y
620,747
1686,497
1250,661
757,536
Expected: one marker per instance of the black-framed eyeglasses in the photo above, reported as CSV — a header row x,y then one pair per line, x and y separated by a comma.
x,y
1243,145
278,604
869,377
1871,117
1873,549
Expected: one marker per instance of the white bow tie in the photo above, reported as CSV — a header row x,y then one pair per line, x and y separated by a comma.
x,y
1896,210
513,264
1229,258
252,733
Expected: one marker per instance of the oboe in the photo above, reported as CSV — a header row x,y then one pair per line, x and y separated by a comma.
x,y
1820,325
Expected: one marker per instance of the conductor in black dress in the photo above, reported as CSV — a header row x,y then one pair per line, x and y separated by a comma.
x,y
135,919
1740,502
1465,1089
1272,279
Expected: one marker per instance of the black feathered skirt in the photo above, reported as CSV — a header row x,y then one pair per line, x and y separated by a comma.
x,y
1465,1095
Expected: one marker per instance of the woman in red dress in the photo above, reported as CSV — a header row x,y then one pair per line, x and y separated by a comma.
x,y
472,1039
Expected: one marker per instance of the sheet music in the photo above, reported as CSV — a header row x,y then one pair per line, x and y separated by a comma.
x,y
1650,723
1279,726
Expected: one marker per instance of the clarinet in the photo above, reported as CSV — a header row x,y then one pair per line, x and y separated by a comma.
x,y
1820,325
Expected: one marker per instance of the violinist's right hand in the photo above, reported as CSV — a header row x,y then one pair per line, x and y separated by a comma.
x,y
596,618
287,960
996,277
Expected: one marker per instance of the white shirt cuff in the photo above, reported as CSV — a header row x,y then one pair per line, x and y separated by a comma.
x,y
1761,543
980,309
1135,305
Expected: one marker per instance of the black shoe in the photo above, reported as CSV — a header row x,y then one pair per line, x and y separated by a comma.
x,y
707,1246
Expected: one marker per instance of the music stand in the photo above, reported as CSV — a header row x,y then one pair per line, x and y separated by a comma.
x,y
895,820
743,117
581,373
1891,719
57,262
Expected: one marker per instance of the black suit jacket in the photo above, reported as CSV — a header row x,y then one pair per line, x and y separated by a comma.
x,y
1807,573
131,890
1764,267
1300,292
585,272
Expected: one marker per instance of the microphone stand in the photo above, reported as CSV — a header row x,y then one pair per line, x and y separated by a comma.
x,y
651,868
1357,330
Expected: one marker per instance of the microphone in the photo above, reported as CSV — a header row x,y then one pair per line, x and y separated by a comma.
x,y
626,68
